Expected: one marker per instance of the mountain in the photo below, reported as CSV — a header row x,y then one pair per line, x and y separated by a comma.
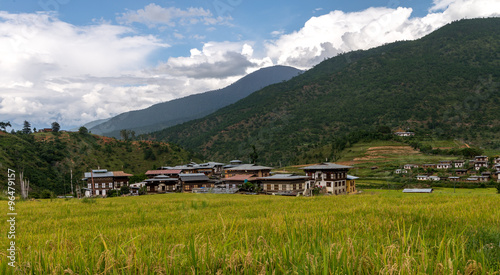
x,y
47,158
444,84
173,112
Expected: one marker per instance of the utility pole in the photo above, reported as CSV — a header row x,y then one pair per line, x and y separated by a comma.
x,y
71,180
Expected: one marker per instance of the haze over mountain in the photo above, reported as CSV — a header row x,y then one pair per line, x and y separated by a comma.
x,y
444,84
162,115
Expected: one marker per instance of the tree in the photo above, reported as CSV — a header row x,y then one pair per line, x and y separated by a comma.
x,y
125,190
124,134
83,131
4,125
55,127
254,156
26,127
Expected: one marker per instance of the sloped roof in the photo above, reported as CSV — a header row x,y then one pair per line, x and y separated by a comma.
x,y
349,177
427,190
241,178
121,174
284,177
163,172
193,177
249,167
326,166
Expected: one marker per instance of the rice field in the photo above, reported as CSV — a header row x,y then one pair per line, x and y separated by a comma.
x,y
379,232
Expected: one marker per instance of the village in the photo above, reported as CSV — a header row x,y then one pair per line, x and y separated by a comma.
x,y
476,170
214,177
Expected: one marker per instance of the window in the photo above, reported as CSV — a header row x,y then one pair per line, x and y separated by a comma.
x,y
329,184
96,185
97,192
103,185
276,187
110,185
89,185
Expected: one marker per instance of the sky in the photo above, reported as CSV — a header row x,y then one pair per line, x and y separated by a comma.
x,y
78,61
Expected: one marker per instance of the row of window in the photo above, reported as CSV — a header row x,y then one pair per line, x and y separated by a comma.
x,y
276,187
103,185
337,183
332,176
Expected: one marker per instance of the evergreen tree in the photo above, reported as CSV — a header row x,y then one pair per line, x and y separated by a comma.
x,y
27,127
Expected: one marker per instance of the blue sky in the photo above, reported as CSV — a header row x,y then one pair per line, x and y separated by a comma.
x,y
77,61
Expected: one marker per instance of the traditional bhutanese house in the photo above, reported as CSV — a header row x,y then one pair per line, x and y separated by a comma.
x,y
496,160
248,169
404,134
198,180
444,165
331,176
497,175
99,182
351,184
238,180
459,163
410,166
481,158
422,177
401,171
454,178
284,184
162,184
461,172
427,166
486,174
472,179
134,187
173,173
210,168
434,178
478,164
497,167
424,190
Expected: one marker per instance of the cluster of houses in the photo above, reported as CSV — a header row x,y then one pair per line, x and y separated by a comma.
x,y
476,170
217,177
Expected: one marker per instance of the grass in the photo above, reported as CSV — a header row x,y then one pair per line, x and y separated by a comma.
x,y
378,232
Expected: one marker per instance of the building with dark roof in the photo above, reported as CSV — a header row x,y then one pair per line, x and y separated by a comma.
x,y
100,182
288,184
327,175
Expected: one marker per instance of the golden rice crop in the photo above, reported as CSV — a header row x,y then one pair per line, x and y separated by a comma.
x,y
383,232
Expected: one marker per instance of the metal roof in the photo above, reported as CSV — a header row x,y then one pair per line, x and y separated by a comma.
x,y
284,177
193,177
426,190
249,167
326,166
163,172
241,178
349,177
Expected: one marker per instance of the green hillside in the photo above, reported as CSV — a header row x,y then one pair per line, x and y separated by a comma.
x,y
444,85
47,158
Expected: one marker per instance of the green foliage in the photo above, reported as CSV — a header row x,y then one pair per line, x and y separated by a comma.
x,y
143,191
26,127
138,178
498,188
46,194
112,193
124,190
55,127
444,85
83,131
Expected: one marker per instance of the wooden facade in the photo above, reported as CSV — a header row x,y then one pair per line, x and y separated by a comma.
x,y
331,176
287,184
100,182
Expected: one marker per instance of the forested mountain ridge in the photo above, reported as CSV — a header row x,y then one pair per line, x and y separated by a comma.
x,y
48,159
162,115
444,84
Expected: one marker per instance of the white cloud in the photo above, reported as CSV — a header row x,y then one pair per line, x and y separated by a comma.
x,y
215,60
153,15
328,35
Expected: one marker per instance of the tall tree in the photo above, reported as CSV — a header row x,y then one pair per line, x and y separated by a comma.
x,y
83,130
26,127
4,125
55,127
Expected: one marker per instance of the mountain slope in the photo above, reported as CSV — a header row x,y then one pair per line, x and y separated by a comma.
x,y
444,84
173,112
47,158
